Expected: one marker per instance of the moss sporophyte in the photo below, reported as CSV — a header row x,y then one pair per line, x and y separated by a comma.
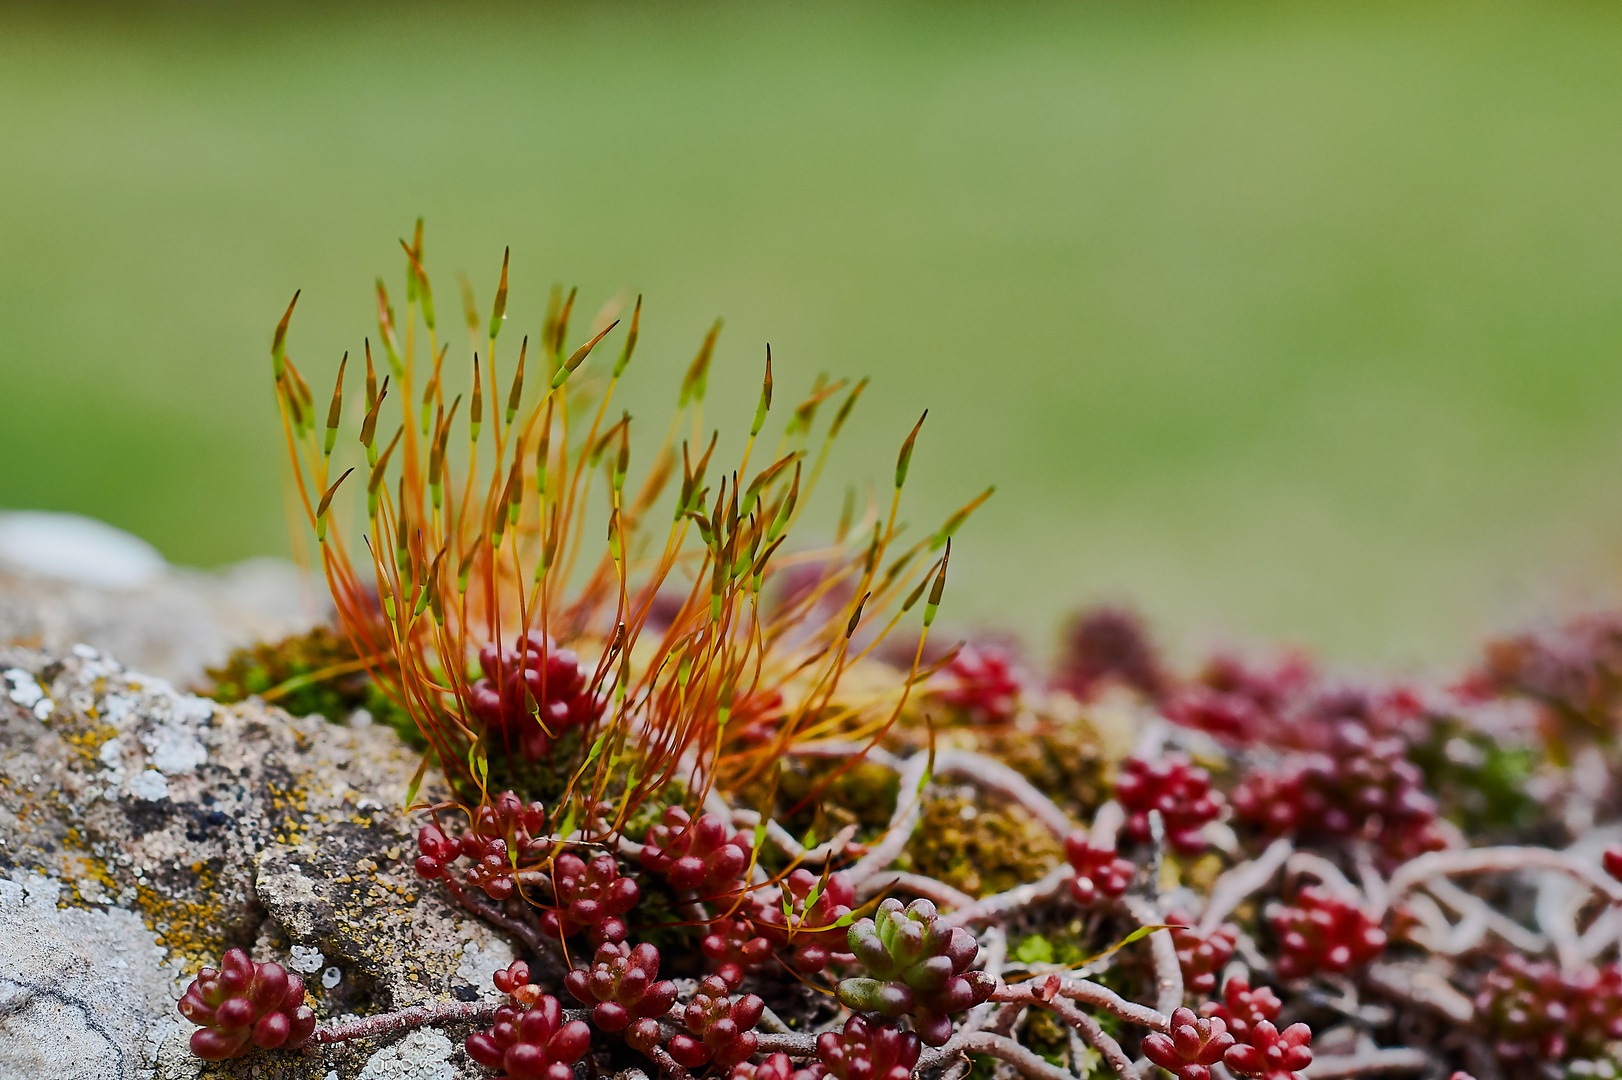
x,y
514,582
681,760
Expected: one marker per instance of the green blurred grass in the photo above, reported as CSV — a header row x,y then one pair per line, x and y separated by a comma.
x,y
1286,320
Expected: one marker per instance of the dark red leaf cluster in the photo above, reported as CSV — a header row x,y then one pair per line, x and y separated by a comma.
x,y
1202,958
243,1005
724,1026
1242,1008
1259,1049
1573,672
1100,872
503,834
1322,932
1109,645
1534,1012
1272,1054
1362,786
513,979
1192,1047
1176,787
532,692
591,896
529,1038
705,854
735,947
866,1050
981,682
622,987
1243,704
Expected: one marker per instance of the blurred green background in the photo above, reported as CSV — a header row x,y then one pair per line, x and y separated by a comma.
x,y
1280,320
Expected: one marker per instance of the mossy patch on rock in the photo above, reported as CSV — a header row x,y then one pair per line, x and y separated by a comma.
x,y
978,844
864,795
314,673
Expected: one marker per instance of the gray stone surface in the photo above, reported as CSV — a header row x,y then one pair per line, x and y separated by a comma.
x,y
83,991
143,831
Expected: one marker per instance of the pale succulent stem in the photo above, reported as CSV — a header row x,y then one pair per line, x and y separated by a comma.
x,y
985,772
992,908
1049,994
1422,988
444,1012
908,810
1231,889
1042,991
937,892
993,775
1367,1063
1483,860
668,1066
998,1046
1168,971
795,1044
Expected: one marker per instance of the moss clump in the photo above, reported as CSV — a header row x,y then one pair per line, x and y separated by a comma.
x,y
1480,784
314,673
652,810
544,779
1063,947
1048,1036
1066,762
977,847
863,795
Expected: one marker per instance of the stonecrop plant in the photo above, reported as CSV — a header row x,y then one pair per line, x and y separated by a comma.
x,y
683,758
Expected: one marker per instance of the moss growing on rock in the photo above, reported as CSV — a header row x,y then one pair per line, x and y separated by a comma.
x,y
863,795
308,674
979,846
1069,755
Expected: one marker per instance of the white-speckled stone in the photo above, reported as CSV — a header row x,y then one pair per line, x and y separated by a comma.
x,y
421,1055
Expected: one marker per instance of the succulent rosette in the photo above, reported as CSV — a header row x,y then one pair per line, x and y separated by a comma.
x,y
622,986
722,1027
244,1004
1100,873
705,854
533,1042
1322,932
1192,1046
531,692
591,896
866,1050
918,965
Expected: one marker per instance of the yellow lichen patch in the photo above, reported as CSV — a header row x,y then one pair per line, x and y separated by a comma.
x,y
86,741
88,877
1045,1034
1203,872
980,848
289,806
189,929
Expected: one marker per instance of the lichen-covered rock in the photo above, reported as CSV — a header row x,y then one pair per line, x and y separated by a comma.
x,y
421,1055
143,831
